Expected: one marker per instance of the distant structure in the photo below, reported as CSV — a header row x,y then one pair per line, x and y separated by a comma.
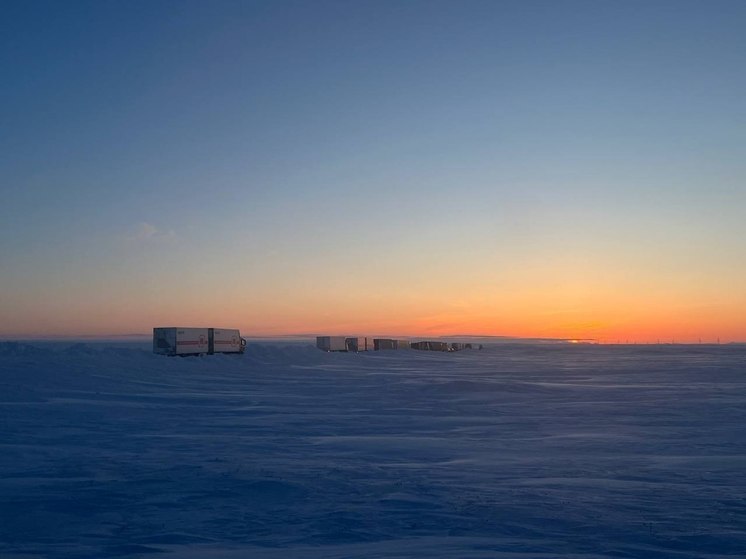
x,y
346,343
440,346
174,340
430,346
389,343
341,343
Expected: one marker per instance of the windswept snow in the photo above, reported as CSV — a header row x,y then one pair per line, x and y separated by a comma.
x,y
511,452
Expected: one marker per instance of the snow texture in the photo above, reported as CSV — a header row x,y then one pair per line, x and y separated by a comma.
x,y
516,451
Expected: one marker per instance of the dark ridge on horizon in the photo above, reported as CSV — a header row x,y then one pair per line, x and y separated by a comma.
x,y
478,337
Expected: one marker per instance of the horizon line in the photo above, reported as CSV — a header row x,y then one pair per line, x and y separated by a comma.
x,y
487,337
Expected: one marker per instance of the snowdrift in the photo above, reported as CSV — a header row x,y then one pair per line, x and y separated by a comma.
x,y
107,450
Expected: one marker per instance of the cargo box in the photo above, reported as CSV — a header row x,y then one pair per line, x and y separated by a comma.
x,y
341,343
430,346
388,343
331,343
357,344
196,341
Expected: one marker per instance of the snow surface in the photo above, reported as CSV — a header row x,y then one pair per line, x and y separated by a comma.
x,y
107,450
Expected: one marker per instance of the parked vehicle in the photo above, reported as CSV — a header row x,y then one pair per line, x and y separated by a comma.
x,y
196,341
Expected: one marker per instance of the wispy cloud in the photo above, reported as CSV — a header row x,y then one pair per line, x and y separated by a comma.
x,y
148,233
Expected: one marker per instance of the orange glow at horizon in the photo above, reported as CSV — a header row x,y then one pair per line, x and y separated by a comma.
x,y
553,297
610,323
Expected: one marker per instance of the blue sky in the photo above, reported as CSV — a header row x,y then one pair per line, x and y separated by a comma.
x,y
300,147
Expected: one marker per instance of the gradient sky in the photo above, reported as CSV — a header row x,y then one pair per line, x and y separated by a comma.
x,y
529,168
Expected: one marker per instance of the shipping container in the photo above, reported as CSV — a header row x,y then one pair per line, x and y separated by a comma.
x,y
430,346
196,341
331,343
341,343
357,344
227,341
389,343
383,343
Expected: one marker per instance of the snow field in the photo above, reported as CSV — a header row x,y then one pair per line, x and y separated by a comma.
x,y
107,450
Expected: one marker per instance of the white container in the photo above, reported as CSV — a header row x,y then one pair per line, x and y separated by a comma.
x,y
195,341
357,344
227,341
331,343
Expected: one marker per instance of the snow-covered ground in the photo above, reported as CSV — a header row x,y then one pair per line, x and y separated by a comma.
x,y
515,451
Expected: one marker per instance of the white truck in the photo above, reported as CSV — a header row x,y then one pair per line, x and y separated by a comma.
x,y
196,341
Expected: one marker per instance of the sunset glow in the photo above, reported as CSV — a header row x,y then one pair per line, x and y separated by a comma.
x,y
541,170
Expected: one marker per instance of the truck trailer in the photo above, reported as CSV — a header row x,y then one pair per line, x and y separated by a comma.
x,y
388,343
196,341
331,343
431,346
341,343
357,344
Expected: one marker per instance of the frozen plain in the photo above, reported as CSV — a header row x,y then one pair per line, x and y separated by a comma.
x,y
516,451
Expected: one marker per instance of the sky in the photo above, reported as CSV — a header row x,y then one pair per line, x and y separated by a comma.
x,y
565,169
